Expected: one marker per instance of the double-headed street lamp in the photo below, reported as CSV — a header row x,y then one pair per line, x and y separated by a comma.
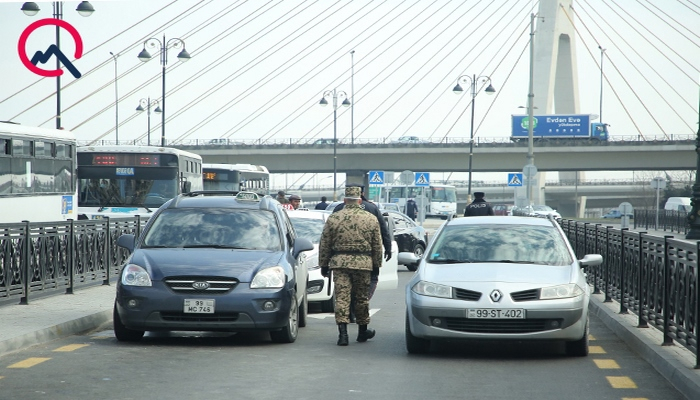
x,y
85,9
473,80
148,103
346,103
163,46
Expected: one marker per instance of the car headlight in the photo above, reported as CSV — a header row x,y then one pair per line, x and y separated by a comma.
x,y
560,292
269,278
135,275
432,289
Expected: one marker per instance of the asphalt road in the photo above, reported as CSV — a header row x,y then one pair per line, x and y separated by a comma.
x,y
194,366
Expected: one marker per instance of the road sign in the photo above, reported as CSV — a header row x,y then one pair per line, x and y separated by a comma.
x,y
422,179
515,179
406,177
376,177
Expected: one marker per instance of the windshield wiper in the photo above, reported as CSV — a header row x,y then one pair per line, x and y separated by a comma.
x,y
213,246
450,261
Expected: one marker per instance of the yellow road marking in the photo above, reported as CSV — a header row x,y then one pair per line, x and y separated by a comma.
x,y
596,350
621,382
29,362
72,347
591,337
606,364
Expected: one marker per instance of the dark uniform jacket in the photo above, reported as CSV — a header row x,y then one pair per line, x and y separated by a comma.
x,y
351,239
478,208
373,209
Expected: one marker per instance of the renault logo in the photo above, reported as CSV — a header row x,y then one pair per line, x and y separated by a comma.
x,y
200,285
496,296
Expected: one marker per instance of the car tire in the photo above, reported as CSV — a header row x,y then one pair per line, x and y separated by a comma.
x,y
418,251
328,306
415,345
579,348
289,333
303,311
123,333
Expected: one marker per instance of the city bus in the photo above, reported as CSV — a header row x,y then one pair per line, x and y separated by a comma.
x,y
125,181
236,177
441,200
37,181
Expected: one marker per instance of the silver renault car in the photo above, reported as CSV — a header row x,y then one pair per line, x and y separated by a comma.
x,y
498,278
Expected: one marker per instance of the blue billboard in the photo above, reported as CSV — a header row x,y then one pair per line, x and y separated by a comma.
x,y
567,126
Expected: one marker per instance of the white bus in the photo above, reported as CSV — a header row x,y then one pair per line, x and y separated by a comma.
x,y
441,199
37,181
236,177
125,181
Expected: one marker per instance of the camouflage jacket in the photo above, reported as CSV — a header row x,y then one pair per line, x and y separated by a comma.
x,y
351,239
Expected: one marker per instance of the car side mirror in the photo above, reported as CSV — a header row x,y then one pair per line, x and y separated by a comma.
x,y
127,241
302,244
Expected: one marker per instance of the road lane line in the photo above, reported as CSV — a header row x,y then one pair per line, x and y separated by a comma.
x,y
606,364
29,362
72,347
621,382
596,350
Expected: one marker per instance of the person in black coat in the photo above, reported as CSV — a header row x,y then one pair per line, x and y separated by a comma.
x,y
411,208
322,205
478,207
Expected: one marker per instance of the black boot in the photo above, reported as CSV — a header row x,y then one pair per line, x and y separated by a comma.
x,y
364,334
343,336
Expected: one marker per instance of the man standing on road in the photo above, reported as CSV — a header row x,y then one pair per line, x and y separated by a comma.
x,y
322,205
411,208
295,201
351,246
478,207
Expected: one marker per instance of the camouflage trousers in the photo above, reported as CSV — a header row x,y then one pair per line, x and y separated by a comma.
x,y
351,283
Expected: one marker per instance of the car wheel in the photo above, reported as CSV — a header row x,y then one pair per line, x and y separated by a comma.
x,y
418,252
579,348
328,306
303,311
123,333
415,345
289,333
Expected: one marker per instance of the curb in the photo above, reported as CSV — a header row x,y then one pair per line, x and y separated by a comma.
x,y
675,363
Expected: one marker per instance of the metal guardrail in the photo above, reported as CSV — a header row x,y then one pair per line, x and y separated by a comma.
x,y
669,220
655,277
38,259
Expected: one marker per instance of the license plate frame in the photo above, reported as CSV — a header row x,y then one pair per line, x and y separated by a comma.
x,y
199,306
496,313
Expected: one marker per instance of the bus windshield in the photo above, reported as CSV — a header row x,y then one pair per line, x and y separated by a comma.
x,y
113,192
443,194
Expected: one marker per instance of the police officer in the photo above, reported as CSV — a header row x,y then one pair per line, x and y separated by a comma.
x,y
478,207
411,208
351,246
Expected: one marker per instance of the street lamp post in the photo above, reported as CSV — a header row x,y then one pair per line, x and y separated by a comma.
x,y
85,9
352,97
694,214
116,100
530,117
346,103
458,90
163,47
148,103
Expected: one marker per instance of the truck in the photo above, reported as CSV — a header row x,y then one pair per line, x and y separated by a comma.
x,y
558,126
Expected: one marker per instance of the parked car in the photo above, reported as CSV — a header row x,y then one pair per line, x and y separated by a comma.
x,y
325,141
541,210
502,209
214,262
410,139
410,237
388,206
616,214
499,278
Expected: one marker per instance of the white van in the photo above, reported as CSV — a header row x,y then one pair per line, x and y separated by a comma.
x,y
678,204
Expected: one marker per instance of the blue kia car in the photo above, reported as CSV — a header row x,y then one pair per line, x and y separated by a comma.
x,y
214,261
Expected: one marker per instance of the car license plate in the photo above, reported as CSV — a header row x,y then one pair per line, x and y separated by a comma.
x,y
496,313
199,306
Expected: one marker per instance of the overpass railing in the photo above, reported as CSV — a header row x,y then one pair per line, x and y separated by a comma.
x,y
38,259
654,277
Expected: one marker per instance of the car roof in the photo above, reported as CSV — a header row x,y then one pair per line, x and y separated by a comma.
x,y
309,214
500,220
223,199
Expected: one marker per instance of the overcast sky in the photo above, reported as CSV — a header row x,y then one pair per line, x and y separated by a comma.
x,y
259,68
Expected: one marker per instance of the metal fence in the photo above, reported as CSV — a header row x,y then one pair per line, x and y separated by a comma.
x,y
38,259
669,220
654,277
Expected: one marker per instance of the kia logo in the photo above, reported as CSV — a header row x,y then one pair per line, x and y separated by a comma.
x,y
200,285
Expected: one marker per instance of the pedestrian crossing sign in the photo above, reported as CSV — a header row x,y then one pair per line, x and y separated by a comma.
x,y
422,179
376,177
515,179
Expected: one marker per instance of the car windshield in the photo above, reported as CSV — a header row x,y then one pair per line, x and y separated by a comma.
x,y
542,208
214,227
483,243
308,228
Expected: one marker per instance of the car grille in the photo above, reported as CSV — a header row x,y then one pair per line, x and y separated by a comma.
x,y
182,317
215,285
526,295
498,325
464,294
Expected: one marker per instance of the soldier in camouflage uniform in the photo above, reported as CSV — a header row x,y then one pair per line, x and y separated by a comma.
x,y
351,246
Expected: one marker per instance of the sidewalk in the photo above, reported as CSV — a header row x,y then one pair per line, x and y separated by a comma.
x,y
54,317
